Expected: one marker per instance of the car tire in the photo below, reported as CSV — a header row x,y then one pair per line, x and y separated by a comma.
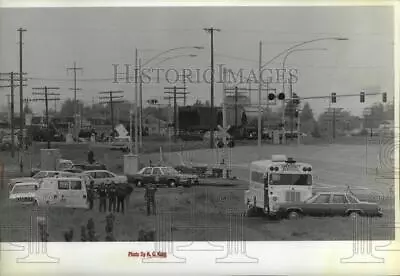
x,y
293,215
172,184
139,183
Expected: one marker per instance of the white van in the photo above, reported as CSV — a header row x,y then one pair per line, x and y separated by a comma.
x,y
67,192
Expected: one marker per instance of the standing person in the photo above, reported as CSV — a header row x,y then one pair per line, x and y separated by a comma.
x,y
150,198
121,194
90,196
90,156
112,197
103,198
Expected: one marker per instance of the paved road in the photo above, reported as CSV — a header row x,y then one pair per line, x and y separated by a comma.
x,y
335,166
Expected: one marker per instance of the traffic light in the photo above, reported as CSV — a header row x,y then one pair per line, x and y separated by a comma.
x,y
384,97
333,97
152,101
281,96
296,113
271,96
362,97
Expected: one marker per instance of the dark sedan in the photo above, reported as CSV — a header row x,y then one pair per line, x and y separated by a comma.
x,y
162,176
329,204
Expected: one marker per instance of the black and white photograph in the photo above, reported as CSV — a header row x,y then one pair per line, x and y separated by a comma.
x,y
222,125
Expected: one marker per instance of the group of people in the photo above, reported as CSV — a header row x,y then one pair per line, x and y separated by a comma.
x,y
116,195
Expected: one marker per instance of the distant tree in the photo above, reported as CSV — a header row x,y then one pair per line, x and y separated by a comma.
x,y
27,109
198,103
207,103
307,113
68,108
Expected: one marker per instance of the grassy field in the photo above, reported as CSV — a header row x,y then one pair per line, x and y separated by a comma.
x,y
188,209
192,207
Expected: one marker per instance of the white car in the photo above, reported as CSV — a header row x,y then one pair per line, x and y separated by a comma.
x,y
106,177
39,176
24,193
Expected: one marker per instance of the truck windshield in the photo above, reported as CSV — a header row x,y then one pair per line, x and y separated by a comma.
x,y
291,179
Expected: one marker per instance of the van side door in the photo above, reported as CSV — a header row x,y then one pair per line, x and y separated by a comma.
x,y
63,192
78,194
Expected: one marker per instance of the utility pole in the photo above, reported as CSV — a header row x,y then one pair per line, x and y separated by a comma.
x,y
175,96
259,97
141,106
11,79
235,92
184,87
136,106
21,93
75,89
212,121
46,99
111,100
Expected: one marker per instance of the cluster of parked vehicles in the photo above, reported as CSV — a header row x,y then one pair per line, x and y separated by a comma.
x,y
67,186
283,188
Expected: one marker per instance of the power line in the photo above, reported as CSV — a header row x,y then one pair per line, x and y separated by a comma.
x,y
75,102
11,85
212,122
46,99
111,101
21,93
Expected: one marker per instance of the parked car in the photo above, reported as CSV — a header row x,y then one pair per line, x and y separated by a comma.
x,y
162,176
106,177
329,204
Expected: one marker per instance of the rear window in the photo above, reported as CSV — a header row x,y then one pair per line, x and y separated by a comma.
x,y
76,185
63,185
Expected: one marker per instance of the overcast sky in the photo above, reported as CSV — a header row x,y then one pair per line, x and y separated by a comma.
x,y
96,38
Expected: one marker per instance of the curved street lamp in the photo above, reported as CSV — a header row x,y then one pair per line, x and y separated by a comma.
x,y
283,69
170,50
174,57
271,60
301,44
141,82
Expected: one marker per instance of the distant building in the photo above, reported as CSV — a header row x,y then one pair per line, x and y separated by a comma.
x,y
154,125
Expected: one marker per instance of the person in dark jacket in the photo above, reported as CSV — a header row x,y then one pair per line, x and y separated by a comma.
x,y
112,197
90,196
90,157
150,197
121,194
103,198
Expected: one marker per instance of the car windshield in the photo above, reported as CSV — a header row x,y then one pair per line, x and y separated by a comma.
x,y
24,189
291,179
170,171
40,175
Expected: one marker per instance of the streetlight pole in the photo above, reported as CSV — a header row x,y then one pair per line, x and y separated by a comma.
x,y
259,97
212,121
141,80
289,50
290,80
136,104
